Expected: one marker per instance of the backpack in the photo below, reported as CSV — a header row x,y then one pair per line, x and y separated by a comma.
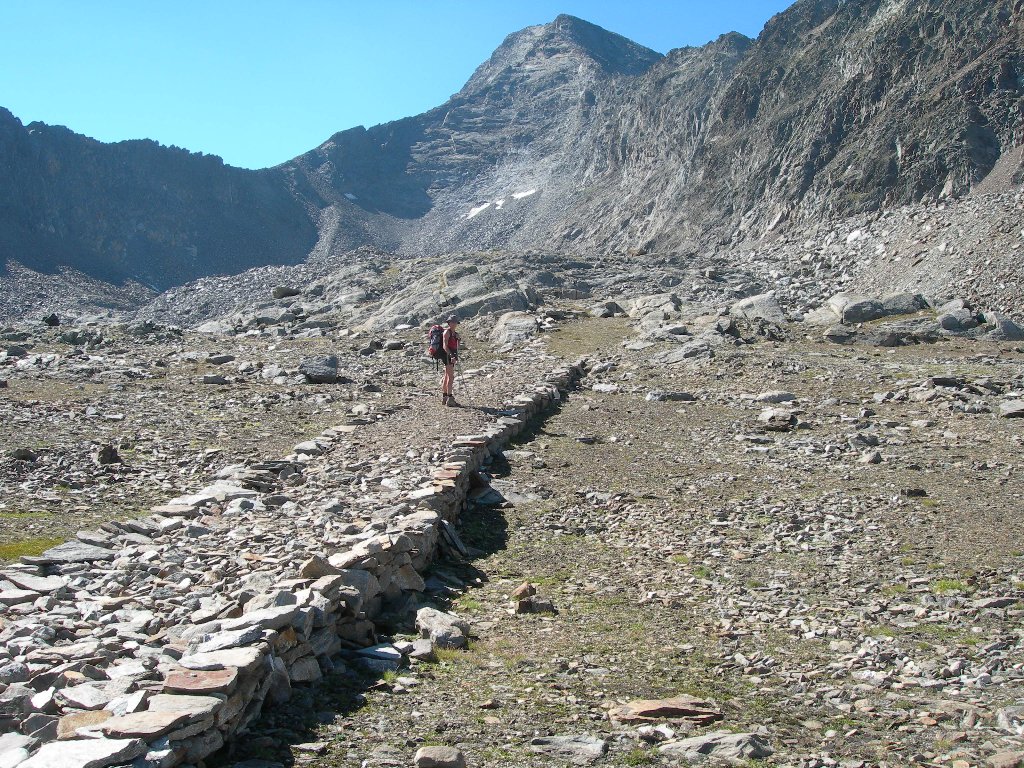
x,y
435,341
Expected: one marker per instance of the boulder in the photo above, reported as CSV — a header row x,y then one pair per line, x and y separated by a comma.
x,y
284,291
273,316
577,750
722,746
439,757
762,307
1002,328
320,370
854,308
1012,409
444,630
606,309
659,302
514,328
222,327
903,303
698,349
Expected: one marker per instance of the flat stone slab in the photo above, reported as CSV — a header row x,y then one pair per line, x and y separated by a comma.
x,y
277,617
67,726
675,710
719,745
72,552
11,741
17,596
86,753
144,725
242,659
578,750
384,651
197,682
218,492
1013,409
90,695
192,707
43,584
237,638
175,510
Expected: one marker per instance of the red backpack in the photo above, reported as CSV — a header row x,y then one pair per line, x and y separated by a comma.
x,y
435,341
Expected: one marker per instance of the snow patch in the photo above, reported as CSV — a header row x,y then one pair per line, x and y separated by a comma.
x,y
498,204
350,196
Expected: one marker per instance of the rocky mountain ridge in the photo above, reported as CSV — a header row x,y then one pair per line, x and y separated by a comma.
x,y
571,140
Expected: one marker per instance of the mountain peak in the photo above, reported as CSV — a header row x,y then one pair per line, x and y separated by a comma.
x,y
567,39
614,53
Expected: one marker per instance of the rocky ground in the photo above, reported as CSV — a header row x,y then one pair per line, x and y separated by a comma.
x,y
819,542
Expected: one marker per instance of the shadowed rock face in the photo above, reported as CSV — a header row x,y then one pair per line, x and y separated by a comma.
x,y
568,137
136,210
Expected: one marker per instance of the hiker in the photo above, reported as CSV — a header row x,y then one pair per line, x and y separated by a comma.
x,y
449,355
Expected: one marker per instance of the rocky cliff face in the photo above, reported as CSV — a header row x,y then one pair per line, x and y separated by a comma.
x,y
568,138
138,211
837,108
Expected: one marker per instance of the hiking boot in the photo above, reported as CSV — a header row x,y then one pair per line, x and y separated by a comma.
x,y
451,402
444,398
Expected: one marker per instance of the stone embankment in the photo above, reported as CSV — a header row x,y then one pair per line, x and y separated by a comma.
x,y
155,641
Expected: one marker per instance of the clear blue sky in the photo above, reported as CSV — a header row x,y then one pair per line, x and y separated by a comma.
x,y
261,81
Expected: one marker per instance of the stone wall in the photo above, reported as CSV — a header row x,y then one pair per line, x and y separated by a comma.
x,y
155,641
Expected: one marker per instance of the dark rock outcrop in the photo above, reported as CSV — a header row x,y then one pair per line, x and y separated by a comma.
x,y
139,211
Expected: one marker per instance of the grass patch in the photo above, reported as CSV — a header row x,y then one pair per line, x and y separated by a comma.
x,y
943,586
451,655
27,548
29,515
640,756
469,604
588,336
881,631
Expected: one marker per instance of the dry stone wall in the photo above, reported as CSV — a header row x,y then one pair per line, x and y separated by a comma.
x,y
155,641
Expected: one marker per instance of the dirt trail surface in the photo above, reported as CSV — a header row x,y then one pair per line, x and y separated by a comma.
x,y
820,544
178,409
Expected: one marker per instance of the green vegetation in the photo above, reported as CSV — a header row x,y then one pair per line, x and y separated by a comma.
x,y
943,586
588,336
27,548
33,514
469,604
640,756
881,631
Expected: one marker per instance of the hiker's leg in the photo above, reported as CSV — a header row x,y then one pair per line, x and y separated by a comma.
x,y
449,373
